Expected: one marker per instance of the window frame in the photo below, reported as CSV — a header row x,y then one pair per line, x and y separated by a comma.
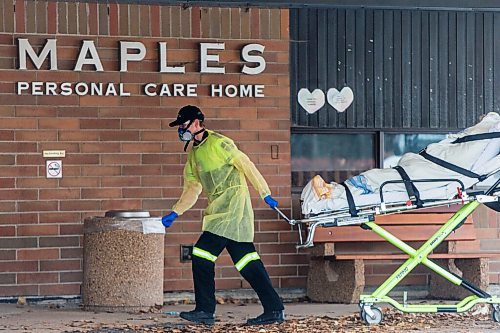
x,y
378,137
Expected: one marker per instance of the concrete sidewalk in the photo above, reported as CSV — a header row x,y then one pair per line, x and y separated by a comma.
x,y
66,315
301,317
63,318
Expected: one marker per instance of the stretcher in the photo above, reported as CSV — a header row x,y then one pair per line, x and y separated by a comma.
x,y
366,216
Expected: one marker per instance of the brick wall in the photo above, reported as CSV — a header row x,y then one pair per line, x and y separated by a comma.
x,y
120,152
487,223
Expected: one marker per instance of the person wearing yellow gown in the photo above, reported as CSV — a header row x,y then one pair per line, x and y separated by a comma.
x,y
218,168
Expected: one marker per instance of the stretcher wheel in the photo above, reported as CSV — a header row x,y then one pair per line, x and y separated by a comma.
x,y
377,316
496,315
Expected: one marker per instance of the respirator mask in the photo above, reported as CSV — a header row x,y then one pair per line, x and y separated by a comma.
x,y
186,136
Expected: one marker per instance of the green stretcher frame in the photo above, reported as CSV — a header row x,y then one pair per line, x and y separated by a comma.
x,y
417,257
372,314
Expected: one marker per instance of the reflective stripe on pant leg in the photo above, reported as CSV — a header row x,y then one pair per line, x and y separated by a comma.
x,y
246,259
204,254
255,274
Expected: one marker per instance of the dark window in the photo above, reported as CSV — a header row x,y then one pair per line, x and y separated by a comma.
x,y
333,156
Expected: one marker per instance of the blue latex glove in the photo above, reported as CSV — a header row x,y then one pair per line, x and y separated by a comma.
x,y
271,202
168,219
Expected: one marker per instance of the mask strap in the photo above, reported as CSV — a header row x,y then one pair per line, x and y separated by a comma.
x,y
200,131
186,145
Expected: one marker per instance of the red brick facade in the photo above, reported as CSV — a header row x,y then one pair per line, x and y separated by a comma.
x,y
120,152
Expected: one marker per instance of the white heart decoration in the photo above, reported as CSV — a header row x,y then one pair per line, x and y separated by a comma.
x,y
340,100
311,102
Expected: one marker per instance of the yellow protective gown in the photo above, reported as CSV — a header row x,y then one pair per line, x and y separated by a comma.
x,y
219,168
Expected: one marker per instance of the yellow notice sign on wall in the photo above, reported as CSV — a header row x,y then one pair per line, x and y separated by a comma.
x,y
54,153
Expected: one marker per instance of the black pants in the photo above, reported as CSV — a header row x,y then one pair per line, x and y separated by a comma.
x,y
246,260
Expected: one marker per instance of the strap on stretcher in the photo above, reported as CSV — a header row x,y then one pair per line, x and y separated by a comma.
x,y
452,167
412,190
456,168
477,137
350,201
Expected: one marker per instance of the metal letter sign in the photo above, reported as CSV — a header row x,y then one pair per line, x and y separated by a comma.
x,y
54,169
